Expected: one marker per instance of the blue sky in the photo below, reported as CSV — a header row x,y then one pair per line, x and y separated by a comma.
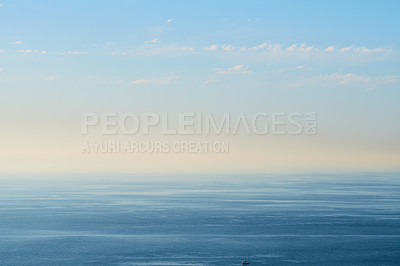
x,y
339,59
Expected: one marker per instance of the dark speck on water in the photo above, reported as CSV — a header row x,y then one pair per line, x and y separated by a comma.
x,y
299,219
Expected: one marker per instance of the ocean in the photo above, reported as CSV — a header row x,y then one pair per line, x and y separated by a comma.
x,y
277,219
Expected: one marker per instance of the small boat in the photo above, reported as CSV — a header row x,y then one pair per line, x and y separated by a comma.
x,y
246,262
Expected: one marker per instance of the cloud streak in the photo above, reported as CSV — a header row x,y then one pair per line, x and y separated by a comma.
x,y
342,80
330,48
51,78
164,81
212,47
228,47
238,69
152,41
302,48
276,48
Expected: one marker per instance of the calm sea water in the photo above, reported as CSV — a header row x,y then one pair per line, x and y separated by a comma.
x,y
341,219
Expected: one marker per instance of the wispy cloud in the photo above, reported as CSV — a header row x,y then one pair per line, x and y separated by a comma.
x,y
239,69
27,51
49,78
344,78
346,49
260,46
70,53
210,81
142,81
228,47
275,49
1,4
374,50
152,41
340,79
160,28
330,48
212,47
302,48
161,50
161,81
17,42
265,46
186,48
30,51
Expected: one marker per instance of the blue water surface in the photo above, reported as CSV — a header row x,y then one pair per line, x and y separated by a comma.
x,y
293,219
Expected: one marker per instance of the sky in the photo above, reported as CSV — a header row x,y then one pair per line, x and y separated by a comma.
x,y
338,59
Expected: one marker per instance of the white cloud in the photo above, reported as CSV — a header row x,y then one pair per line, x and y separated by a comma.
x,y
236,69
212,47
160,50
228,47
291,48
155,81
141,81
346,49
49,78
345,78
71,53
374,50
167,80
330,48
28,51
259,46
261,50
160,28
340,79
302,48
274,49
187,48
388,79
1,4
152,41
209,81
1,51
17,42
301,67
